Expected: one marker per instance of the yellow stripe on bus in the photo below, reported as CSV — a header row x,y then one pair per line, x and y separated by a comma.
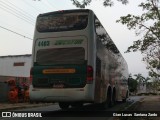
x,y
51,71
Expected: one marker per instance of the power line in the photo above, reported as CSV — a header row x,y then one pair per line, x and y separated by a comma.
x,y
16,15
21,10
43,6
39,11
14,11
47,5
10,26
15,32
53,6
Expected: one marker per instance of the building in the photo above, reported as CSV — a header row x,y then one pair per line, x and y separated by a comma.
x,y
15,67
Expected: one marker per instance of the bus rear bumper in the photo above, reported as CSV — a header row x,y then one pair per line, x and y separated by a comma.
x,y
60,95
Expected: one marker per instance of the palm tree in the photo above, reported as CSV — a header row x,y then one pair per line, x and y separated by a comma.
x,y
140,79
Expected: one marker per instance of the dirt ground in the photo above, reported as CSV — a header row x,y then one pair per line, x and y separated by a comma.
x,y
15,106
149,106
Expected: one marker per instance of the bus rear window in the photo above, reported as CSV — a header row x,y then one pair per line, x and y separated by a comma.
x,y
75,55
62,22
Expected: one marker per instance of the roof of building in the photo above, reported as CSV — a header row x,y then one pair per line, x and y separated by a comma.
x,y
24,55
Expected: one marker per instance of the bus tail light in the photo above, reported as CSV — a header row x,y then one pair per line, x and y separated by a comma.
x,y
89,74
31,75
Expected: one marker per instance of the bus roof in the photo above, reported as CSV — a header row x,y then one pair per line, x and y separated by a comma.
x,y
65,11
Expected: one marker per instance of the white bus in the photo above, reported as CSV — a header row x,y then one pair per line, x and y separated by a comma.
x,y
75,61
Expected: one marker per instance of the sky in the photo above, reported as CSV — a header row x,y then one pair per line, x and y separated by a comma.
x,y
18,18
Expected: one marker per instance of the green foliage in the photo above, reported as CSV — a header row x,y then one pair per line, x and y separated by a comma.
x,y
81,4
147,25
139,77
137,81
85,3
132,84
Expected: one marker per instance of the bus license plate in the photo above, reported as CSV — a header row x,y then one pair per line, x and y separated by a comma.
x,y
58,86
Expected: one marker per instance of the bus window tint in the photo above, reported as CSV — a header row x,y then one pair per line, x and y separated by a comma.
x,y
62,22
75,55
104,37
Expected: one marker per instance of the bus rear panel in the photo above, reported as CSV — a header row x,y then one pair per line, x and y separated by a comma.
x,y
60,70
76,61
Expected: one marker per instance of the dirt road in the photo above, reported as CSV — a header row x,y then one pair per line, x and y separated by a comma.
x,y
149,104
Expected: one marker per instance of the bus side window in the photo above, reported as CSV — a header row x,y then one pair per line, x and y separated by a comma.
x,y
98,67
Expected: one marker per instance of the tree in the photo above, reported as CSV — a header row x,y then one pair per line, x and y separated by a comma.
x,y
140,79
84,3
147,25
132,84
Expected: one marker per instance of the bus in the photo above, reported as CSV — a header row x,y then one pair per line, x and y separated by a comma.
x,y
74,61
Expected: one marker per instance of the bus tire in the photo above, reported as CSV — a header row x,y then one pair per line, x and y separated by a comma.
x,y
114,97
63,105
108,102
124,100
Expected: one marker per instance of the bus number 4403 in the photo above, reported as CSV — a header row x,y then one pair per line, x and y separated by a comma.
x,y
43,43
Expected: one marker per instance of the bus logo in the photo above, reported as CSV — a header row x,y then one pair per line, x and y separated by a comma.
x,y
68,42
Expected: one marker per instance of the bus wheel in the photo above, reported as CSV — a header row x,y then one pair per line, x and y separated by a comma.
x,y
107,103
124,100
114,97
63,105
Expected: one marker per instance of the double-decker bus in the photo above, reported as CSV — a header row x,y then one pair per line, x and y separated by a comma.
x,y
74,61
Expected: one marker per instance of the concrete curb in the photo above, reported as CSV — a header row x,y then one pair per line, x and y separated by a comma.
x,y
7,107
